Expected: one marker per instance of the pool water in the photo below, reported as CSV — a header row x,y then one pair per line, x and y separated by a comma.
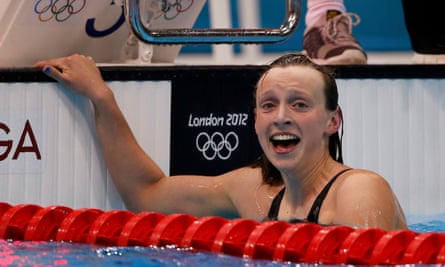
x,y
32,253
429,223
29,253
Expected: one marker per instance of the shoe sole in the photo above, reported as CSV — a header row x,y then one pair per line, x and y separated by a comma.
x,y
428,58
348,57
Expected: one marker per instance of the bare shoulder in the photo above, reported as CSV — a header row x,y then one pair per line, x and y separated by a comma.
x,y
365,198
247,178
248,193
363,184
359,178
241,179
248,173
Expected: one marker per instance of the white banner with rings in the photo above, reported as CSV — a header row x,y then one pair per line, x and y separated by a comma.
x,y
32,30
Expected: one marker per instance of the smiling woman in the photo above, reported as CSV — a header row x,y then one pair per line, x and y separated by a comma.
x,y
302,103
297,119
299,99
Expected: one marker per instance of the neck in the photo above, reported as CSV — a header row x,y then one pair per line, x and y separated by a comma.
x,y
303,187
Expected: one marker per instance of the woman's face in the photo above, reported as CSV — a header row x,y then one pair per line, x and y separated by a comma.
x,y
291,120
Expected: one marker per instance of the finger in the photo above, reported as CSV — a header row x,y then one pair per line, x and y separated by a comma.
x,y
43,63
40,64
53,72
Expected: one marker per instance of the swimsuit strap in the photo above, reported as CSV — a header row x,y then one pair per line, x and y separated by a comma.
x,y
275,206
315,209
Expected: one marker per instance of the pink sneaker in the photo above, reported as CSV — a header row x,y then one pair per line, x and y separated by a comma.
x,y
330,40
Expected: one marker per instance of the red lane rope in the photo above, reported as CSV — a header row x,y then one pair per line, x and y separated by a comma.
x,y
273,240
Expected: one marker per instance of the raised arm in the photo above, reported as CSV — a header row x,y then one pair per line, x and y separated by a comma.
x,y
130,168
139,180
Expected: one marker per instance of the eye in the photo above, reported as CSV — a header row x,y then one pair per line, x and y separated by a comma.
x,y
300,105
267,106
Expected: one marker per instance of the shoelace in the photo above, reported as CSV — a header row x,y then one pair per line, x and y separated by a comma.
x,y
332,32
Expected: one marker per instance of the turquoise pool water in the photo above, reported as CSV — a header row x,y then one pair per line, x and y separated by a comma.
x,y
27,253
431,223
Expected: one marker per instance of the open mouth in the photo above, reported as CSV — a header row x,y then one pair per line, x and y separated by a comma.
x,y
284,140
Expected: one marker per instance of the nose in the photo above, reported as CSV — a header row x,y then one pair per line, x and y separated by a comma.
x,y
282,116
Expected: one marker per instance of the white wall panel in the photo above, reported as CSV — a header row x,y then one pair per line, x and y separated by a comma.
x,y
396,127
71,171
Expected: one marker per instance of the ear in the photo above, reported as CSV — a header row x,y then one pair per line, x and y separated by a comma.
x,y
335,121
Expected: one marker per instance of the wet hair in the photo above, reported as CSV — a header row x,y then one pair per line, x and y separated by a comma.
x,y
271,175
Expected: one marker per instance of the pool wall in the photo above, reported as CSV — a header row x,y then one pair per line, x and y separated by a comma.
x,y
394,125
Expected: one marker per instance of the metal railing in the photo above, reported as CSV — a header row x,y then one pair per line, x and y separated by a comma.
x,y
212,36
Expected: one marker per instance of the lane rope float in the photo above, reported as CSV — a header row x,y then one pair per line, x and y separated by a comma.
x,y
272,240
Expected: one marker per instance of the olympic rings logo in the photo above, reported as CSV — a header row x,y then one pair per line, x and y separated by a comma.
x,y
217,145
60,10
168,9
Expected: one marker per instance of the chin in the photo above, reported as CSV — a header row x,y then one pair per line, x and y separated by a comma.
x,y
283,165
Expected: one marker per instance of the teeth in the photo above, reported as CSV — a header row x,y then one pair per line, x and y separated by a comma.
x,y
283,137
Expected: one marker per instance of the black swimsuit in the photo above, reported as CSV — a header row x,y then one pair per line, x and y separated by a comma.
x,y
315,209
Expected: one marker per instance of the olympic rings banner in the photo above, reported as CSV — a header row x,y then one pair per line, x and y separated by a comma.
x,y
31,30
213,124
